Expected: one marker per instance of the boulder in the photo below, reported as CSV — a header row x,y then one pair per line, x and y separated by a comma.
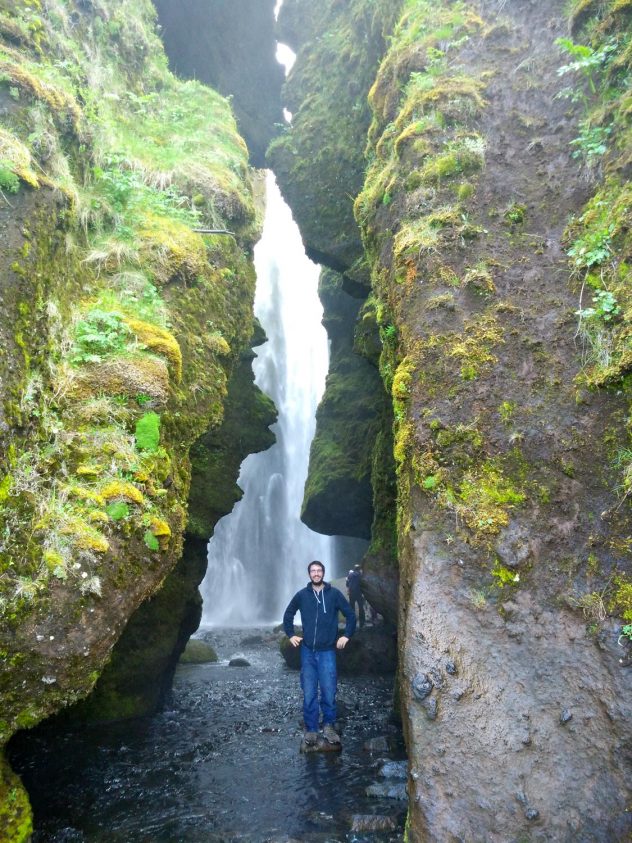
x,y
198,652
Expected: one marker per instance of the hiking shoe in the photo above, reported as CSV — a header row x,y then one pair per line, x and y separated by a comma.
x,y
310,738
330,733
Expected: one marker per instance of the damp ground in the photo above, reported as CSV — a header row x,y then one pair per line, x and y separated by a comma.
x,y
221,762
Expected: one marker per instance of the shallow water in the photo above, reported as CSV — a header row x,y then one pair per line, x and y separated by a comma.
x,y
220,763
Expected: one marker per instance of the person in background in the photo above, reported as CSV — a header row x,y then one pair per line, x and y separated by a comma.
x,y
319,603
354,590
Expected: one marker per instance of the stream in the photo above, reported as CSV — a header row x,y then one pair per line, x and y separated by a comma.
x,y
221,762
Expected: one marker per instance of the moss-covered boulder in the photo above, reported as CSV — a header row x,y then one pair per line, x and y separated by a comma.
x,y
511,523
198,652
143,661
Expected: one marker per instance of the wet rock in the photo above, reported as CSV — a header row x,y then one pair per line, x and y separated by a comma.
x,y
394,770
251,640
371,822
320,746
238,661
422,685
532,814
513,546
379,744
566,716
450,668
431,707
198,652
388,790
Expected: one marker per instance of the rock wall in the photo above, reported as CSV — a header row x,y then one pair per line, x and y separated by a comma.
x,y
338,494
121,327
495,220
338,49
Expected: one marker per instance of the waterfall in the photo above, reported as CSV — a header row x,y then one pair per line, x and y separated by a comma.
x,y
258,555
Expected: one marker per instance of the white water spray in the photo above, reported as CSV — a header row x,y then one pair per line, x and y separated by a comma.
x,y
259,553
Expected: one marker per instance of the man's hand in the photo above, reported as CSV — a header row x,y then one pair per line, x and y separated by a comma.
x,y
342,642
295,640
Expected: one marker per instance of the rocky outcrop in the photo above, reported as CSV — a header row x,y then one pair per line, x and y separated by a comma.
x,y
231,47
338,494
141,668
510,408
339,46
124,324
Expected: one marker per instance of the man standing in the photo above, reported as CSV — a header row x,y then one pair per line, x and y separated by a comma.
x,y
354,590
319,604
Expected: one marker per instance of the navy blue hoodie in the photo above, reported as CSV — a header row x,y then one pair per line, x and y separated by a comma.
x,y
319,616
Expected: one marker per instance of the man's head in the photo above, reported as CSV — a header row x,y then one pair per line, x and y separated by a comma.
x,y
357,568
316,571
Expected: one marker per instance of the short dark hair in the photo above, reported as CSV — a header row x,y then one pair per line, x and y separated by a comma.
x,y
315,562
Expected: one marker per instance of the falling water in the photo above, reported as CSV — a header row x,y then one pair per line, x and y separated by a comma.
x,y
259,553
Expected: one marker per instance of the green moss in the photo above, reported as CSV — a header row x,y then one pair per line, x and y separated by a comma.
x,y
504,576
621,599
147,432
16,819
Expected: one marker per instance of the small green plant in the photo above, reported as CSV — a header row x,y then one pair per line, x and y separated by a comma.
x,y
586,61
151,541
147,432
592,142
626,632
98,335
9,182
593,248
506,411
117,510
605,307
504,576
515,214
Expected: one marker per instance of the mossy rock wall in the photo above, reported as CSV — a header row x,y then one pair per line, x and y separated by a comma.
x,y
231,47
338,494
144,658
123,325
341,56
511,409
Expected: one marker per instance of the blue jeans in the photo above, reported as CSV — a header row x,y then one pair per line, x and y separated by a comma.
x,y
318,667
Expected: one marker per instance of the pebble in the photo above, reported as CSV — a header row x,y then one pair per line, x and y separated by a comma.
x,y
532,814
422,686
431,707
372,822
388,791
450,668
238,661
376,744
565,716
394,770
